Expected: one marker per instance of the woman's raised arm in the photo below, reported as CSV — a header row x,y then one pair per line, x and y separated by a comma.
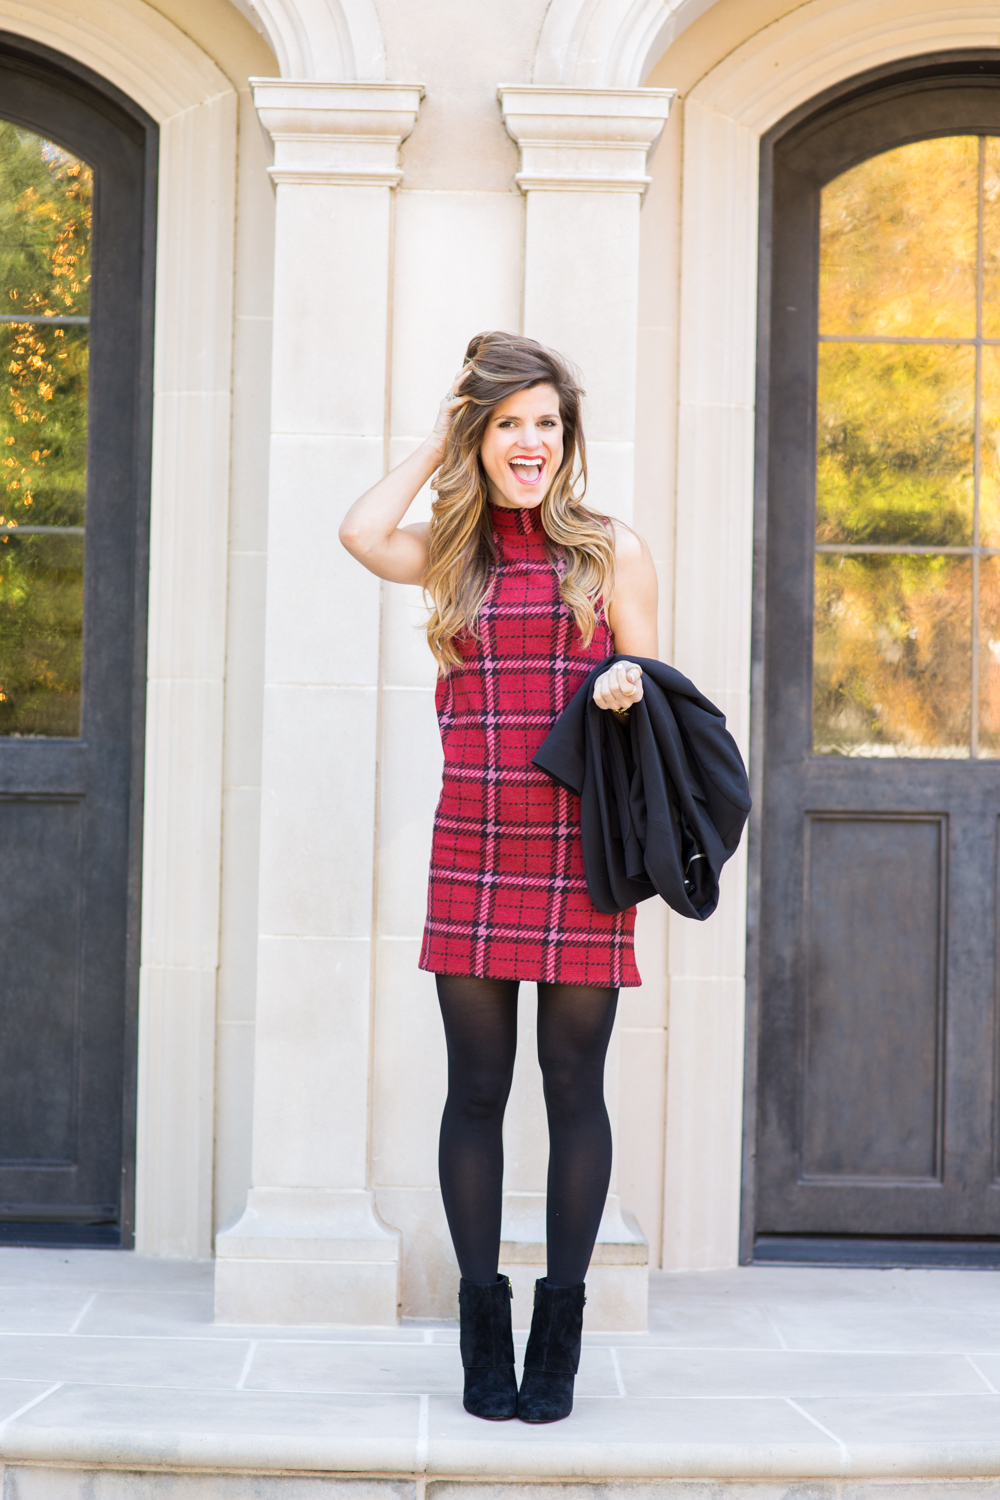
x,y
371,530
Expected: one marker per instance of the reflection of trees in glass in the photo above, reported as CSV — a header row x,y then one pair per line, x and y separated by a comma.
x,y
895,444
891,654
898,243
41,632
894,662
45,232
989,656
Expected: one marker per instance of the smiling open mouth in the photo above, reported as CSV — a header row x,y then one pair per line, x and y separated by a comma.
x,y
527,470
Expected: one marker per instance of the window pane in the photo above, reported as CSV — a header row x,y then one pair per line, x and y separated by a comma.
x,y
895,425
44,269
43,424
898,243
991,239
989,656
989,479
41,631
892,656
45,199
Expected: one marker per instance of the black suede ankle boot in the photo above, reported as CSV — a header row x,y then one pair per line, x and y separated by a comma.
x,y
552,1357
487,1347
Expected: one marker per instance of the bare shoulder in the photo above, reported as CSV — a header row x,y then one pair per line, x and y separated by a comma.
x,y
632,606
630,548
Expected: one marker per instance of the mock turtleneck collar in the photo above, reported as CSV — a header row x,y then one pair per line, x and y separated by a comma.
x,y
517,519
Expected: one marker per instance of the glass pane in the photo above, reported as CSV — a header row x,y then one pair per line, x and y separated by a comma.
x,y
892,656
895,428
41,630
989,477
989,657
991,239
898,243
45,199
43,424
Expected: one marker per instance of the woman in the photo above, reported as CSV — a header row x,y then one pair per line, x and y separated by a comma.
x,y
528,591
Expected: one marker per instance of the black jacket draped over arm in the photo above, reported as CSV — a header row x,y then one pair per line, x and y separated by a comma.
x,y
663,799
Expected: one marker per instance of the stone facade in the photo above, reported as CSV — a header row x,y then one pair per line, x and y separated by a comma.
x,y
348,190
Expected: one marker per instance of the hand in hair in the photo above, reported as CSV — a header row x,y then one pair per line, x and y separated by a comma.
x,y
452,402
372,530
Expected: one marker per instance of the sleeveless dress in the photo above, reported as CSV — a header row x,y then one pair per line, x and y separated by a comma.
x,y
507,896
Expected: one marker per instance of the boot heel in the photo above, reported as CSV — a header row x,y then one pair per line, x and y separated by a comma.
x,y
487,1347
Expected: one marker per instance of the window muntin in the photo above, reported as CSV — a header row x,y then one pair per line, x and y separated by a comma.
x,y
45,247
907,580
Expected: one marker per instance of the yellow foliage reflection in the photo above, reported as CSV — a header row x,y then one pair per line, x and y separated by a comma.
x,y
892,654
895,444
898,243
909,278
45,247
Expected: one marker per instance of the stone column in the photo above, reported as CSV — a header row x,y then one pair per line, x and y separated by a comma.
x,y
583,172
310,1246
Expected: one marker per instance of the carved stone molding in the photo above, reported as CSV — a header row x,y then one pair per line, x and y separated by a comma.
x,y
584,140
320,38
347,133
609,43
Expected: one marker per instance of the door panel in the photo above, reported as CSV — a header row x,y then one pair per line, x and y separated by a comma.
x,y
76,195
874,998
39,1011
878,1059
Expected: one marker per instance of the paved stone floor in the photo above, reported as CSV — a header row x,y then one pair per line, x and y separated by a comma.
x,y
763,1373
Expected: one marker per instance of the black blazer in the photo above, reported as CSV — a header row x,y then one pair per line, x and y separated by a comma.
x,y
663,799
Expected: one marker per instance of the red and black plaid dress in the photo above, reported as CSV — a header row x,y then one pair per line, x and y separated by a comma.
x,y
507,897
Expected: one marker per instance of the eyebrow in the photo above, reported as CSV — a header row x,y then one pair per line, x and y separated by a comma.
x,y
511,416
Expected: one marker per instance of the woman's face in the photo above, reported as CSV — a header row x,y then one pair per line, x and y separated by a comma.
x,y
523,448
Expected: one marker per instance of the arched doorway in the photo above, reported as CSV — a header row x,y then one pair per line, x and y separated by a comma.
x,y
877,1125
77,200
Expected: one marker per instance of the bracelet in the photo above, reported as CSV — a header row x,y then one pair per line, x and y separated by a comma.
x,y
621,714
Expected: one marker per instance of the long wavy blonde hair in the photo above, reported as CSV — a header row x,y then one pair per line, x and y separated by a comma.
x,y
461,552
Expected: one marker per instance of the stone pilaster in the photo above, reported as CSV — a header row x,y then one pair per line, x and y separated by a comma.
x,y
310,1246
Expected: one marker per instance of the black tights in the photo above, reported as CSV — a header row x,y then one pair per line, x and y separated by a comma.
x,y
574,1029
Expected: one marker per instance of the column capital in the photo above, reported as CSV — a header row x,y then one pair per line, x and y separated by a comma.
x,y
347,133
583,140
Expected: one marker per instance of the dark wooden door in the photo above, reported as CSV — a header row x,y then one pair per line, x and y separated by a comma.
x,y
880,832
75,246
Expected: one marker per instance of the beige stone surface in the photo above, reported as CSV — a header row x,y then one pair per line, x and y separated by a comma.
x,y
765,1383
410,1070
456,271
459,143
428,1270
292,1291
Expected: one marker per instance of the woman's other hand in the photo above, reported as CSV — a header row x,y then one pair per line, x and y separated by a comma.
x,y
619,687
